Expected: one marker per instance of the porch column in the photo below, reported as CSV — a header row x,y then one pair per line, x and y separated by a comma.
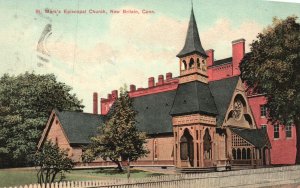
x,y
178,155
195,153
262,159
201,154
269,156
252,156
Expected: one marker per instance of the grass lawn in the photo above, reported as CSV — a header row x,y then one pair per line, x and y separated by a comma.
x,y
12,177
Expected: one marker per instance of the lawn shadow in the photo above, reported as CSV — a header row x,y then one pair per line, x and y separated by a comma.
x,y
114,171
154,174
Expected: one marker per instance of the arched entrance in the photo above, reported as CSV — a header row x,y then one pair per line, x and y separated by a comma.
x,y
207,149
207,145
187,149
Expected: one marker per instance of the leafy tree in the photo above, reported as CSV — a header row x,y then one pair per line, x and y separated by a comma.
x,y
119,140
51,161
273,68
26,102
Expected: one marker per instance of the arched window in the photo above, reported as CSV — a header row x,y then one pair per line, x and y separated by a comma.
x,y
234,153
248,153
238,156
244,153
191,64
198,63
249,119
183,148
186,146
207,145
239,107
184,65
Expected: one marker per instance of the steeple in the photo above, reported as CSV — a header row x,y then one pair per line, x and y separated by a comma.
x,y
192,58
192,41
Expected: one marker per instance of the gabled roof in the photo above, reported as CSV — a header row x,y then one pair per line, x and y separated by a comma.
x,y
153,112
79,126
222,92
193,97
257,137
192,41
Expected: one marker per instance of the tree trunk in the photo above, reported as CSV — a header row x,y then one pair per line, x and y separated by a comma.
x,y
39,176
297,126
119,165
53,176
47,176
128,169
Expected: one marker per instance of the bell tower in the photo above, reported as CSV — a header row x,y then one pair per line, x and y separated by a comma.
x,y
192,58
194,110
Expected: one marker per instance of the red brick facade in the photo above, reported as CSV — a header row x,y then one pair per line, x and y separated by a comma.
x,y
284,147
218,72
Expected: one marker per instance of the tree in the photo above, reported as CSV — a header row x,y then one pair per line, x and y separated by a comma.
x,y
273,68
26,102
51,161
119,140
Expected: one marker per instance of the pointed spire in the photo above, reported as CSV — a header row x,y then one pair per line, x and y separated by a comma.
x,y
192,41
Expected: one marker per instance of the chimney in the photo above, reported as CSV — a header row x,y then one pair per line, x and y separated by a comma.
x,y
109,96
95,103
114,94
132,88
151,82
169,76
238,52
210,58
160,80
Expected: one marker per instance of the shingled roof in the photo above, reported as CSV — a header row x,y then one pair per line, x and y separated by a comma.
x,y
193,97
257,137
153,112
79,126
222,92
192,41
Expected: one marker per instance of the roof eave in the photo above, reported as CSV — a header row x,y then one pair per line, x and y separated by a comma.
x,y
183,54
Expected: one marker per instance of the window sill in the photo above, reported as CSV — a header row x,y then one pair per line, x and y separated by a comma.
x,y
275,139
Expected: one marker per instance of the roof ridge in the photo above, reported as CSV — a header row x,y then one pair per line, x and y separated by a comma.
x,y
87,113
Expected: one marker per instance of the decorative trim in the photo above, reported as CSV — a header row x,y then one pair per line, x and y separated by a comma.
x,y
193,77
193,119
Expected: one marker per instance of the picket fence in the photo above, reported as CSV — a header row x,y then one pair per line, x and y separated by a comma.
x,y
242,178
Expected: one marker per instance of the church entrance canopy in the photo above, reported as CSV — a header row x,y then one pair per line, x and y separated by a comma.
x,y
250,147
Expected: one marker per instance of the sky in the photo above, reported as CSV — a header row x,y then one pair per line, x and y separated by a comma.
x,y
100,52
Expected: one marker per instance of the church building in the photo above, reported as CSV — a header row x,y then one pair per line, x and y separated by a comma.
x,y
201,119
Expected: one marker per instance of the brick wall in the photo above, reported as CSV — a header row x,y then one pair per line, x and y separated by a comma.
x,y
56,135
283,149
160,148
220,72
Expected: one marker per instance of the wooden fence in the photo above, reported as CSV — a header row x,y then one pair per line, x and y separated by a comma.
x,y
242,178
